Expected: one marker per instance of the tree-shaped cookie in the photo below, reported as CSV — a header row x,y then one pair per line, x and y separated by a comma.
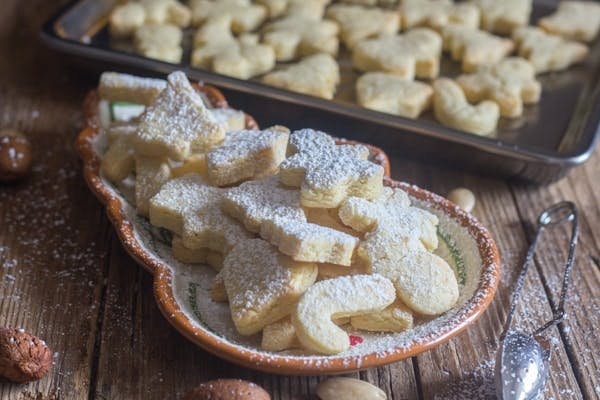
x,y
548,52
177,124
358,22
313,9
436,14
510,83
415,53
452,109
297,36
263,285
317,75
503,16
245,16
474,47
191,209
575,20
247,154
397,245
327,173
255,201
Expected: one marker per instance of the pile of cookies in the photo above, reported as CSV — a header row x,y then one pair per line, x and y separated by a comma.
x,y
307,241
400,71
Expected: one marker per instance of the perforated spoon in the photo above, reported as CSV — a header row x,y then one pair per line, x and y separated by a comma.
x,y
522,359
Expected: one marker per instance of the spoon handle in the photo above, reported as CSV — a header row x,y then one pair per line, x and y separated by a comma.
x,y
554,215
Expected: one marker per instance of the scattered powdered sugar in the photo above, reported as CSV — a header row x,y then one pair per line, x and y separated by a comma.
x,y
477,384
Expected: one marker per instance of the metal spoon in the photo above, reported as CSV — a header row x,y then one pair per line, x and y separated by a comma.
x,y
522,360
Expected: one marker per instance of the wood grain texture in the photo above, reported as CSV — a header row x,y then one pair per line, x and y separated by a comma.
x,y
65,277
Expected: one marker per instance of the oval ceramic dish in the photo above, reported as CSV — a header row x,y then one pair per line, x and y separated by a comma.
x,y
182,290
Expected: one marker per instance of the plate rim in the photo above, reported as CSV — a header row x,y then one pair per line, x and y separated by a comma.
x,y
274,363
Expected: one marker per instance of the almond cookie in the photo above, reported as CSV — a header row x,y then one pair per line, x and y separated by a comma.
x,y
196,256
510,83
317,75
327,173
218,50
396,317
247,154
262,284
279,336
338,297
166,11
575,20
191,209
414,53
358,22
452,109
436,14
245,16
256,201
503,16
115,86
125,19
150,175
548,52
295,36
474,47
312,9
177,123
119,160
161,42
308,242
393,94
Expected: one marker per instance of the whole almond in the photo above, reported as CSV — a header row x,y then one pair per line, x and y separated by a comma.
x,y
23,356
463,198
227,389
348,389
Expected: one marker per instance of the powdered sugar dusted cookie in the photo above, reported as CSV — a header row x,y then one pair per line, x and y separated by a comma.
x,y
415,53
255,201
177,124
161,42
438,13
279,336
115,86
452,109
150,175
548,52
327,173
575,20
333,298
191,209
304,241
393,94
474,47
396,317
295,36
196,256
503,16
195,164
358,22
510,83
247,154
263,285
245,16
119,160
317,75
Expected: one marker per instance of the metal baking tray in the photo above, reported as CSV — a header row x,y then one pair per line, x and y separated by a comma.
x,y
540,147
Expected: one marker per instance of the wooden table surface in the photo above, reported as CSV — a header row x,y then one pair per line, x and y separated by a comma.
x,y
65,276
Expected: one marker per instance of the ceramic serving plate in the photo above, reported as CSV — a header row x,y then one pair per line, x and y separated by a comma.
x,y
182,290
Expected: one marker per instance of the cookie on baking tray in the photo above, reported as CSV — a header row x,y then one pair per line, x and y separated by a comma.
x,y
415,53
307,241
574,20
245,16
436,14
547,52
504,16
